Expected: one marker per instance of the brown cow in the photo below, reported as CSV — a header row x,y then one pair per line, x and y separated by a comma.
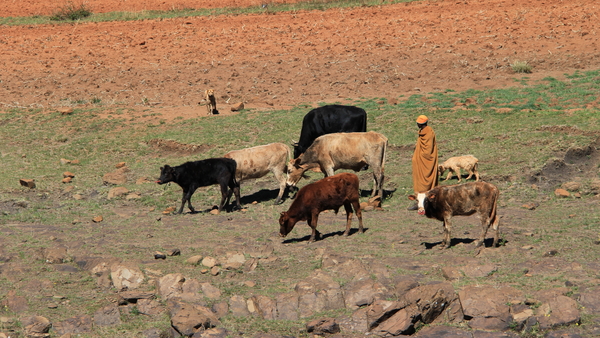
x,y
329,193
454,164
336,151
258,161
443,202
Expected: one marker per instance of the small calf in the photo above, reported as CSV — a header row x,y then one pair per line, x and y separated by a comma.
x,y
192,175
443,202
329,193
454,164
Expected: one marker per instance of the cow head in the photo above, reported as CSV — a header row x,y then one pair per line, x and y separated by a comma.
x,y
421,199
441,169
167,174
285,224
296,171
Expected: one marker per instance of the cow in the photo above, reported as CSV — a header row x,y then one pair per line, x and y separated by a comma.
x,y
454,164
443,202
258,161
329,193
329,119
192,175
343,151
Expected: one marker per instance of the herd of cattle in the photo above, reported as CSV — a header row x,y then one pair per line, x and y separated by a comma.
x,y
333,137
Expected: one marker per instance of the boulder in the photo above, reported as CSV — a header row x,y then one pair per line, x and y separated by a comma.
x,y
126,277
487,306
188,319
323,326
36,326
363,292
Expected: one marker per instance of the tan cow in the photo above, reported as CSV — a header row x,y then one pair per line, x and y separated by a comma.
x,y
354,151
454,164
258,161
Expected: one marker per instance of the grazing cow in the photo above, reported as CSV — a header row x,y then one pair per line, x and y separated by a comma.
x,y
257,161
329,193
443,202
192,175
454,164
327,120
343,151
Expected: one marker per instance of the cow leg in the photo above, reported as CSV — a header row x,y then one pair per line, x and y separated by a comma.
x,y
377,182
312,222
496,232
458,174
328,170
282,185
485,225
348,207
187,196
470,170
224,195
449,176
356,206
476,174
234,187
447,231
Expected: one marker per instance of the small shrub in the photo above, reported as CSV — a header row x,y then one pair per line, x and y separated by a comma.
x,y
70,11
521,67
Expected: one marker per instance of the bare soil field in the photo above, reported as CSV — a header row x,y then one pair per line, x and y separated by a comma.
x,y
272,61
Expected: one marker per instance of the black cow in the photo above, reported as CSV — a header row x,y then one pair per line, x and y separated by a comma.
x,y
327,120
192,175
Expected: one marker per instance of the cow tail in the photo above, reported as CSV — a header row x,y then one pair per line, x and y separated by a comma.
x,y
493,213
289,158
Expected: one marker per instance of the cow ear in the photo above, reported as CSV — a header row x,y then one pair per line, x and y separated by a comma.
x,y
161,168
431,196
412,197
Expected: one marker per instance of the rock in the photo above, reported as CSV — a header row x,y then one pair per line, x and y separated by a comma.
x,y
557,310
209,262
215,270
26,182
571,186
451,273
187,319
238,106
221,309
287,306
64,161
56,255
36,326
67,174
65,111
154,333
323,326
210,291
150,307
234,261
530,206
441,331
475,271
67,180
116,177
561,193
363,292
134,296
238,306
117,192
120,165
74,325
107,316
194,260
97,219
488,306
266,307
590,300
263,251
216,332
174,252
14,303
433,300
318,292
133,196
125,277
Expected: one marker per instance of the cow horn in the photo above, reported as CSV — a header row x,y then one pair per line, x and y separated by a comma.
x,y
294,143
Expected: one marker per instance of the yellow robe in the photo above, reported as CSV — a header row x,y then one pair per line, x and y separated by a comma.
x,y
425,161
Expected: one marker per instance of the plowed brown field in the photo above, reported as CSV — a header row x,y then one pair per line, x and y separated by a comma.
x,y
279,60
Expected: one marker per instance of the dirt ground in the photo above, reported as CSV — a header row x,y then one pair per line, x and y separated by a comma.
x,y
273,61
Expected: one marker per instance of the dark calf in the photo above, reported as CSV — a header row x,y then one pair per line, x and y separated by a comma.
x,y
443,202
192,175
329,193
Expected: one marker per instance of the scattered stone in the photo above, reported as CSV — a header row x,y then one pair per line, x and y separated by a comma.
x,y
64,161
238,306
266,307
26,182
133,196
68,174
74,161
550,253
14,303
561,193
209,262
56,255
556,311
169,210
215,270
238,106
530,205
210,291
287,306
120,165
97,219
150,307
174,252
234,261
215,212
37,326
65,111
67,180
194,260
323,326
188,319
221,309
249,284
475,271
125,277
116,177
159,255
117,192
571,186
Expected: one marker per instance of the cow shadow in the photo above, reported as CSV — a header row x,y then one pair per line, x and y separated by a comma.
x,y
366,193
488,242
323,236
266,195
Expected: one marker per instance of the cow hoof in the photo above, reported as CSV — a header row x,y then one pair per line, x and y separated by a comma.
x,y
345,234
